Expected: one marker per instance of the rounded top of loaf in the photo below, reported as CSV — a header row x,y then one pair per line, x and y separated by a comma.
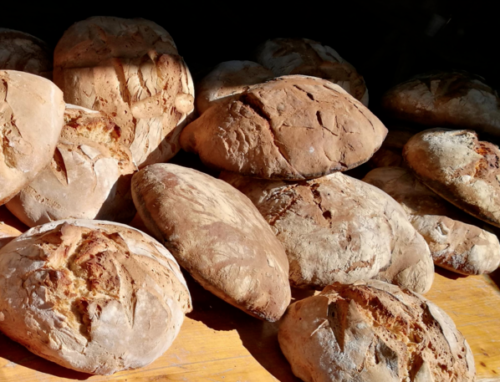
x,y
97,39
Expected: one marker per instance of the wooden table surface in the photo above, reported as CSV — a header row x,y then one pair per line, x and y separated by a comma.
x,y
219,343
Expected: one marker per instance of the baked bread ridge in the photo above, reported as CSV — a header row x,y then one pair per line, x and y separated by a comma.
x,y
88,178
24,52
373,331
93,296
228,79
454,244
291,127
286,56
454,99
130,69
340,229
217,235
7,233
458,167
31,120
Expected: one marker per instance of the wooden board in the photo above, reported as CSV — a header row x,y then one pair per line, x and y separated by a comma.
x,y
219,343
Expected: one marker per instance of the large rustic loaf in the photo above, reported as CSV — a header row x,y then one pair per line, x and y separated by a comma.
x,y
337,228
96,297
285,56
31,119
130,69
292,127
460,168
371,332
228,79
24,52
449,99
217,235
89,176
454,245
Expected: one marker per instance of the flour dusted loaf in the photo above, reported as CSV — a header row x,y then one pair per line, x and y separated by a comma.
x,y
455,245
217,235
130,69
292,127
448,99
88,178
24,52
31,119
460,168
337,228
285,56
97,297
371,332
227,79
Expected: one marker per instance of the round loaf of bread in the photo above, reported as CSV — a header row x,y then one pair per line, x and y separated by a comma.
x,y
292,127
89,176
96,297
460,168
24,52
340,229
449,99
286,56
454,245
217,235
371,332
228,79
130,69
31,119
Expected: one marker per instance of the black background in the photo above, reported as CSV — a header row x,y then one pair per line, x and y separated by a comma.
x,y
386,40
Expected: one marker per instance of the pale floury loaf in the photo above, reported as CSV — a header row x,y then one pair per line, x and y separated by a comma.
x,y
460,168
456,99
88,178
337,228
130,69
31,119
217,235
373,332
285,56
93,296
24,52
227,79
292,127
454,244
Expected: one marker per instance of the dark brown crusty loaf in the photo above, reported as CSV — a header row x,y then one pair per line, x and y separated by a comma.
x,y
292,127
391,151
337,228
93,296
217,235
460,168
286,56
31,119
24,52
448,99
371,332
88,178
130,69
454,244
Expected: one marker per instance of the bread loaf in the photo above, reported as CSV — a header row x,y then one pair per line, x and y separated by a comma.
x,y
286,56
7,231
130,69
88,178
292,127
337,228
24,52
391,152
96,297
370,332
217,235
454,245
31,119
228,79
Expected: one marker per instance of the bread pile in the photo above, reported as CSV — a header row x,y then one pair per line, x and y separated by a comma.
x,y
91,294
